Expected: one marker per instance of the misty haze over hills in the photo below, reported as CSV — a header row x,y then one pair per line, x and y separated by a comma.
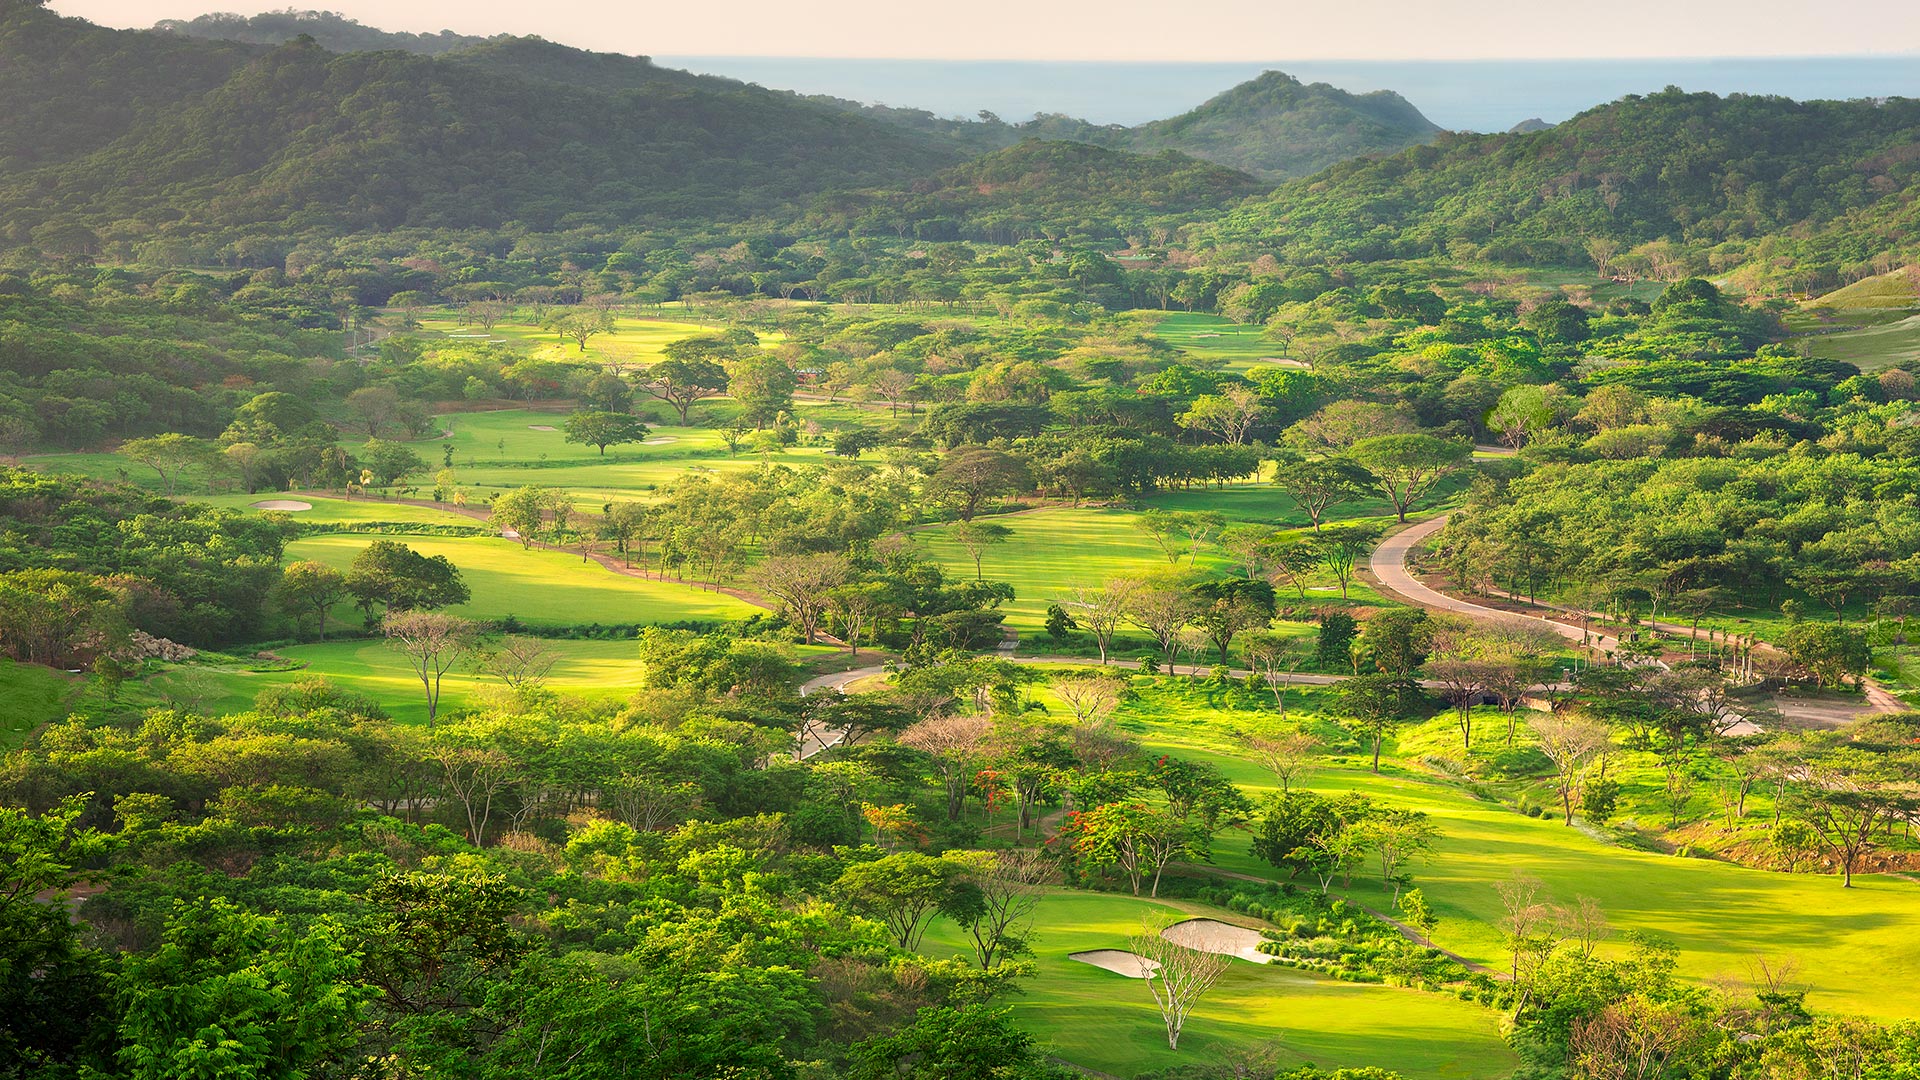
x,y
1482,95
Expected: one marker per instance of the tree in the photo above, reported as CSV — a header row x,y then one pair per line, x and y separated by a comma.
x,y
857,606
1341,547
392,575
310,588
1229,414
947,1043
1228,606
1273,658
378,407
1406,467
432,642
994,897
607,392
683,381
1572,741
1286,754
170,455
1319,485
1831,651
1100,611
1849,794
582,325
1091,697
54,993
762,384
970,477
804,585
1178,976
604,429
522,512
231,993
1135,839
1398,836
902,890
974,537
956,744
520,662
1374,704
391,462
1162,610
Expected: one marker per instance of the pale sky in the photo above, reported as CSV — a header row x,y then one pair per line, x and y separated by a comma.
x,y
1196,30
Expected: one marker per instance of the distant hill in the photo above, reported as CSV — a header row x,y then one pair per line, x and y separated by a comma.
x,y
1277,126
1831,180
1898,289
1274,126
163,132
330,30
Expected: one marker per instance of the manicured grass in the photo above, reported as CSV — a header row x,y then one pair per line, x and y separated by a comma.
x,y
589,669
1213,337
1100,1020
1853,946
1873,339
539,587
632,341
341,511
30,696
1896,290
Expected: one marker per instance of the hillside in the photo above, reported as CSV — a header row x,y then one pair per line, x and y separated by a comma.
x,y
1273,127
1696,169
330,30
1277,126
202,135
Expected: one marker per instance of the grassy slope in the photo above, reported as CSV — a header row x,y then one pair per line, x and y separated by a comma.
x,y
633,341
539,587
1104,1021
29,696
1854,947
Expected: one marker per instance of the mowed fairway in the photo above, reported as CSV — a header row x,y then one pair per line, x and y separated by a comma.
x,y
1051,551
589,669
1855,948
539,587
1213,337
633,341
1104,1021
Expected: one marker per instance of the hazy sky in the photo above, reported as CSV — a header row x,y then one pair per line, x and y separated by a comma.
x,y
1131,29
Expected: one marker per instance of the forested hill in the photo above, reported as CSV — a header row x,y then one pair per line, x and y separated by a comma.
x,y
1274,126
1752,176
330,30
185,134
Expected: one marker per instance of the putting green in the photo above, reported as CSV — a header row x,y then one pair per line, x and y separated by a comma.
x,y
1104,1021
539,587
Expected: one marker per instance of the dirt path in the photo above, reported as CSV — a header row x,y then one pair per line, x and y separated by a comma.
x,y
1389,567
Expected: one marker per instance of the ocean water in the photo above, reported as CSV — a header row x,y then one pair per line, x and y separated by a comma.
x,y
1467,95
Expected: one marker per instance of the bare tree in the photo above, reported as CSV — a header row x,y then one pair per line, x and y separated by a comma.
x,y
1091,697
1005,888
1529,920
1585,923
473,775
433,643
1162,611
1100,611
523,663
955,743
648,803
1572,741
803,584
1178,977
1287,754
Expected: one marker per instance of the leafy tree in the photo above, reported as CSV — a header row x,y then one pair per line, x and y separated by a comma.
x,y
685,378
1319,485
170,456
969,478
604,429
390,575
309,587
762,384
903,890
974,537
1406,468
54,992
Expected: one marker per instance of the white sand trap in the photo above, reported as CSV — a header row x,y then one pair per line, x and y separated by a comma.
x,y
1214,936
541,427
1118,961
661,441
292,505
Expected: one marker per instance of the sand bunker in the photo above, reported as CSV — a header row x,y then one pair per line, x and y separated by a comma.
x,y
1214,936
1118,961
661,441
541,427
293,505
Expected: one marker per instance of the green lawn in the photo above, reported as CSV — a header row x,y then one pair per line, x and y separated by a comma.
x,y
1871,339
1104,1021
633,341
1854,947
342,511
30,696
539,587
1213,337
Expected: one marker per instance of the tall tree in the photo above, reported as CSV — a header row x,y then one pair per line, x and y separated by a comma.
x,y
1406,468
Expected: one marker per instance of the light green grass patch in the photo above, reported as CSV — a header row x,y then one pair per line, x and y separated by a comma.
x,y
1100,1020
30,695
538,587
